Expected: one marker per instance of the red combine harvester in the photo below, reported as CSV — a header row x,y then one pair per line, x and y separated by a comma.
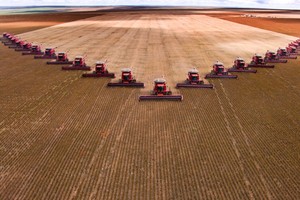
x,y
35,50
271,57
100,71
282,53
48,54
11,41
219,71
5,35
258,61
295,43
292,50
62,58
18,44
239,65
78,64
25,47
194,81
7,38
160,92
127,80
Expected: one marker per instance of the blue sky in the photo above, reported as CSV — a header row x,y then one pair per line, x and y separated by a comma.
x,y
293,4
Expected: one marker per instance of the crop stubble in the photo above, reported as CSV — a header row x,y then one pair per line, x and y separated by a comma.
x,y
67,137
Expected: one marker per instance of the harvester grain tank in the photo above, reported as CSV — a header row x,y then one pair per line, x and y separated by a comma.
x,y
127,80
160,92
271,57
62,58
78,64
48,54
219,71
239,65
194,81
100,71
258,61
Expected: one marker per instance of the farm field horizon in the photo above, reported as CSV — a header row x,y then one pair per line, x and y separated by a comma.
x,y
66,137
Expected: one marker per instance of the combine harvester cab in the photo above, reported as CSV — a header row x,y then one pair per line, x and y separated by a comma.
x,y
258,61
100,71
292,50
78,64
25,47
239,65
219,71
127,80
62,58
35,50
48,54
271,57
193,81
282,53
160,92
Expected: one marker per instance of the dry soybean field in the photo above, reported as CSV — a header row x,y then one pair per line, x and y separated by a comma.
x,y
66,137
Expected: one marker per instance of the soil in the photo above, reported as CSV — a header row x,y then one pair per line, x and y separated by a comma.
x,y
66,137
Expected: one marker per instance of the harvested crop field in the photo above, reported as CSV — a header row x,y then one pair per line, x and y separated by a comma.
x,y
65,137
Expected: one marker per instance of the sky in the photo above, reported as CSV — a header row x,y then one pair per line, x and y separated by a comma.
x,y
291,4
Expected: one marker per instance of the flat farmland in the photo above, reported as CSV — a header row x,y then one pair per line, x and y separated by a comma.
x,y
64,137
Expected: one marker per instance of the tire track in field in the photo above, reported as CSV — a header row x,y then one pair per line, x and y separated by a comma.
x,y
120,54
259,134
69,122
116,55
37,130
109,161
246,139
235,148
11,125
